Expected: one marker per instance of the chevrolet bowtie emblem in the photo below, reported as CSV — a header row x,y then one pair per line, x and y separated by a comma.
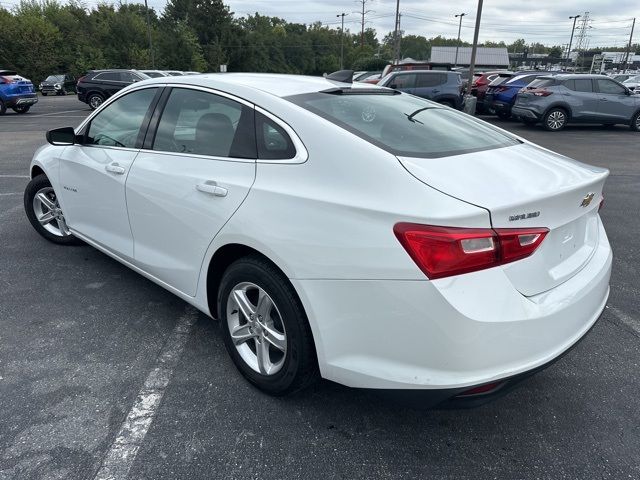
x,y
587,199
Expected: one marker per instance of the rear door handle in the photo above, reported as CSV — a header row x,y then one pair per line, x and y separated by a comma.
x,y
114,168
212,188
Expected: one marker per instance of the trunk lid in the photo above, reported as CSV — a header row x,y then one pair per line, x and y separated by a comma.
x,y
527,186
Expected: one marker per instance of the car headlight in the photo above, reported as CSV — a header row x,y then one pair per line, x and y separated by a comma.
x,y
58,86
40,86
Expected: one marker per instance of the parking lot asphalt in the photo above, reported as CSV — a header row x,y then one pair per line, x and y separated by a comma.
x,y
80,335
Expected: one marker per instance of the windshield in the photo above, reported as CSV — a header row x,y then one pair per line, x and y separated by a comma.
x,y
405,125
54,78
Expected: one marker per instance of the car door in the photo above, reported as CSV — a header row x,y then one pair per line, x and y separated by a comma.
x,y
615,103
111,82
583,99
405,82
193,174
93,172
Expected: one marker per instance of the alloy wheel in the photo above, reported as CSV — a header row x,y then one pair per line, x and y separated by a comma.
x,y
95,101
256,328
48,212
556,120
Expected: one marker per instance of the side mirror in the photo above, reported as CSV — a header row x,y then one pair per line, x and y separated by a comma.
x,y
61,136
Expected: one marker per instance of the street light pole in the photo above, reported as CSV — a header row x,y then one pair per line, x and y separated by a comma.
x,y
153,61
470,100
396,39
458,44
342,40
575,17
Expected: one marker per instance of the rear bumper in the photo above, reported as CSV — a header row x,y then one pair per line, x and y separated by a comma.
x,y
16,101
449,334
501,106
523,112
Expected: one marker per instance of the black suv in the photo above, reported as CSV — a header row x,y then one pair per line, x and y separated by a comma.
x,y
58,85
98,85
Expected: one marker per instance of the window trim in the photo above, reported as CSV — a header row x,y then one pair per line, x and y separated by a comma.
x,y
301,155
596,84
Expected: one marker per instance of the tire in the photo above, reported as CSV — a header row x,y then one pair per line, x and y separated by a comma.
x,y
635,122
555,120
278,320
95,100
503,115
23,109
447,103
43,94
55,230
3,108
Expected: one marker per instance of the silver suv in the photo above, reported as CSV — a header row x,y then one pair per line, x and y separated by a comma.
x,y
562,99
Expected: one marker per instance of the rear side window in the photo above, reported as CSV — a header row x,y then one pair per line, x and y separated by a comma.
x,y
405,125
430,79
202,123
109,77
119,124
273,141
580,85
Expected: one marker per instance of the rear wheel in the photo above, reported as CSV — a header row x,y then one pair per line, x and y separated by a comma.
x,y
3,108
635,122
95,100
22,109
44,212
264,326
503,115
555,120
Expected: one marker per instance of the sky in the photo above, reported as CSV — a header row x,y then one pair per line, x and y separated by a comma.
x,y
544,21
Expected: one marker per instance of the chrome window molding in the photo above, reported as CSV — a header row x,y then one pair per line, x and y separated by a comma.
x,y
301,155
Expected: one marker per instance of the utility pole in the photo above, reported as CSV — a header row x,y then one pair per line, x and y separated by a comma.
x,y
342,40
575,17
470,100
396,33
626,58
363,13
458,44
153,60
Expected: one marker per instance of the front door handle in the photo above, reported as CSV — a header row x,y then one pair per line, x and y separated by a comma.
x,y
212,188
114,168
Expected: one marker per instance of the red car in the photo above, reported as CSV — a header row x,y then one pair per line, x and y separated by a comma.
x,y
480,84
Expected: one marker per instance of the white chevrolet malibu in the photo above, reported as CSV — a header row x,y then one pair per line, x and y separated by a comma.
x,y
346,231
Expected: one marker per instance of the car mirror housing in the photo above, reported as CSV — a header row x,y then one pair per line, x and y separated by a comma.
x,y
61,136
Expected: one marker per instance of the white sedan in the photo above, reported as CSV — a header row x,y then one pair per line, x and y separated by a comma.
x,y
340,230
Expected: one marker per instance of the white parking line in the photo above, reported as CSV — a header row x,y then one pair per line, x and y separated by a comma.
x,y
122,453
12,193
628,320
15,176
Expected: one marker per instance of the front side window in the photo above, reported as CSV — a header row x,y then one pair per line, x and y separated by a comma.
x,y
407,80
202,123
119,124
430,79
405,125
607,86
109,77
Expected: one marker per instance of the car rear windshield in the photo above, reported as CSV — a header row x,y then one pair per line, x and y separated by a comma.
x,y
542,82
500,79
405,125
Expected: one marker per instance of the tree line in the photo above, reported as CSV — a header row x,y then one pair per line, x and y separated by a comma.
x,y
38,38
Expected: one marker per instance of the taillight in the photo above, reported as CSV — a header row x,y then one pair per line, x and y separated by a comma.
x,y
540,92
4,80
445,251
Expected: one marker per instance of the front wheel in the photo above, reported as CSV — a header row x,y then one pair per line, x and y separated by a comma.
x,y
264,326
555,120
44,213
22,109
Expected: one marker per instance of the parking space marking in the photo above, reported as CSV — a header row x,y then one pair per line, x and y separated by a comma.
x,y
628,320
15,176
12,193
120,457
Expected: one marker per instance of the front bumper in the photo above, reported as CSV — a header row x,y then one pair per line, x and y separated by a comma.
x,y
452,333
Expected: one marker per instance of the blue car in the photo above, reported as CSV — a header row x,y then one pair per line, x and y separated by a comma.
x,y
502,97
16,92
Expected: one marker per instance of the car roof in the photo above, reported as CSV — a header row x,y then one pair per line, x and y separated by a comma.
x,y
408,72
571,76
279,85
